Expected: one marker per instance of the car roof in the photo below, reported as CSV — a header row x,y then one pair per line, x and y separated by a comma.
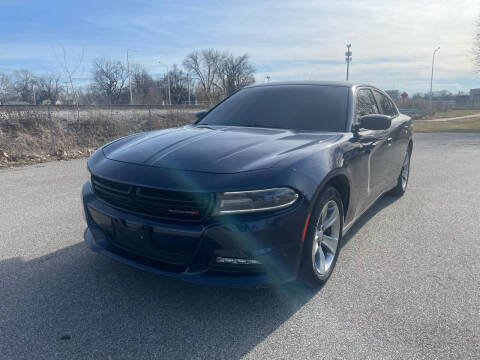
x,y
348,84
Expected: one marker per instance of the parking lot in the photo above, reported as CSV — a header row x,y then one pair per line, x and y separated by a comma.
x,y
407,283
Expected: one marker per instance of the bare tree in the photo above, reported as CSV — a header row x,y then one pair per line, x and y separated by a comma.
x,y
23,83
219,74
70,71
110,79
50,87
144,87
205,64
235,73
178,85
5,88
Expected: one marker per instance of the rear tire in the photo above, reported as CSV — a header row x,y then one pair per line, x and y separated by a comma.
x,y
402,181
323,239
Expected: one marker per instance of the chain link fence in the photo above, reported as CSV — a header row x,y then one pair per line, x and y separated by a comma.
x,y
39,133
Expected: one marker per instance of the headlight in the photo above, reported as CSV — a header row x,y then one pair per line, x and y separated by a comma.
x,y
254,200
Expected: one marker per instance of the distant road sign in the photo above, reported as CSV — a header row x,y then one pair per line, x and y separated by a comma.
x,y
404,95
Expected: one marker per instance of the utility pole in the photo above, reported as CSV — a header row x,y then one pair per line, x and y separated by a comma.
x,y
34,98
129,80
348,58
431,77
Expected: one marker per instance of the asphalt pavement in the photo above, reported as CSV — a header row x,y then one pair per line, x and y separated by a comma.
x,y
406,286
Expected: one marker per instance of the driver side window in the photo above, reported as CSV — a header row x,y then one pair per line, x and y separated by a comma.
x,y
365,103
384,102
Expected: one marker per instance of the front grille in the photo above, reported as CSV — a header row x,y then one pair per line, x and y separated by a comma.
x,y
175,205
165,263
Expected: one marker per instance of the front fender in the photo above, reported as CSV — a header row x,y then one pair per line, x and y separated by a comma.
x,y
323,167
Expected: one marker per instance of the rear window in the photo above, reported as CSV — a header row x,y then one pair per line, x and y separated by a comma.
x,y
297,107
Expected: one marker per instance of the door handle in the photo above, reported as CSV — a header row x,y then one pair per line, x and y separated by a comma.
x,y
369,147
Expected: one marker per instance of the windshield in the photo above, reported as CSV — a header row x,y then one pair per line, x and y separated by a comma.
x,y
298,107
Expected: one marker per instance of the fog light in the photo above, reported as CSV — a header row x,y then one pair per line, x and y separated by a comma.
x,y
234,261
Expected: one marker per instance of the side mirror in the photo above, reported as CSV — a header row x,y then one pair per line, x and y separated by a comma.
x,y
375,122
201,114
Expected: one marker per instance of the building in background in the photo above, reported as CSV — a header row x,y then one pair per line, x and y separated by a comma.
x,y
475,96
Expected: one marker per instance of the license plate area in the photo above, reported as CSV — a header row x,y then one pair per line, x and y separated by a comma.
x,y
148,242
135,237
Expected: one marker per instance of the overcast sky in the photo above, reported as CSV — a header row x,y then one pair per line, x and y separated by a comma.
x,y
392,41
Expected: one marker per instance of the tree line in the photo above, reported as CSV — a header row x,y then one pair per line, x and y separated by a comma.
x,y
205,76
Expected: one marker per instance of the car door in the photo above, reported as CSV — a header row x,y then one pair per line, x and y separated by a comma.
x,y
397,139
377,144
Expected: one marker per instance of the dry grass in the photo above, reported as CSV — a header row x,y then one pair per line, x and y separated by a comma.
x,y
453,113
25,135
462,125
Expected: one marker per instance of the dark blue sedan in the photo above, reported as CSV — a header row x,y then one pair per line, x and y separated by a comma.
x,y
259,190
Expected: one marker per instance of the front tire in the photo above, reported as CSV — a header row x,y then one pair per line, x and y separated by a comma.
x,y
323,239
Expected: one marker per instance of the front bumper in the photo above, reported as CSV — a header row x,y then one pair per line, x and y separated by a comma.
x,y
187,251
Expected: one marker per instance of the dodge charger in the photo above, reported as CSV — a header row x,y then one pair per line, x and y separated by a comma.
x,y
259,190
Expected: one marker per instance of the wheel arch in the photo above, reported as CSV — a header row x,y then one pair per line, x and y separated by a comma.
x,y
340,181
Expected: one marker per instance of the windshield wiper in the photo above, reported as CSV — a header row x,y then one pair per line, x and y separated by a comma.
x,y
261,126
208,126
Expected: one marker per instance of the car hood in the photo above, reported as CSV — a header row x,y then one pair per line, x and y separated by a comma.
x,y
213,149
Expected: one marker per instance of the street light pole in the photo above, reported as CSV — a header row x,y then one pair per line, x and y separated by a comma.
x,y
348,58
168,80
431,77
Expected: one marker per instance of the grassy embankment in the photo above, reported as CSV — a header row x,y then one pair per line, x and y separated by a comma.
x,y
452,113
459,125
25,135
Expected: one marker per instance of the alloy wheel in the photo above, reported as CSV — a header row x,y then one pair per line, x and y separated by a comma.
x,y
405,171
327,233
